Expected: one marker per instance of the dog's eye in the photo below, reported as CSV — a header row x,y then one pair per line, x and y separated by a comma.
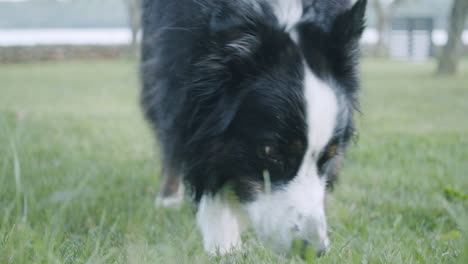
x,y
296,146
272,153
329,153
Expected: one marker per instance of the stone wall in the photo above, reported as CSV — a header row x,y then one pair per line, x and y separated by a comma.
x,y
21,54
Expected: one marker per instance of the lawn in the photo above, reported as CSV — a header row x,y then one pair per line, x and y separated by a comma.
x,y
79,172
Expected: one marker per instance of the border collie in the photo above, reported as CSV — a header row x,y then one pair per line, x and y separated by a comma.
x,y
252,103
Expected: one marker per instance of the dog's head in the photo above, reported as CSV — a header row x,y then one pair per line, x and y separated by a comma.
x,y
271,111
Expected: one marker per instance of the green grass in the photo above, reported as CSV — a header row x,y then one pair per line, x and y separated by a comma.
x,y
79,172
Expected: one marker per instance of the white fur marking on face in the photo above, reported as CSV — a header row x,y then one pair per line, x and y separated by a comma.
x,y
294,35
322,112
297,211
220,225
288,12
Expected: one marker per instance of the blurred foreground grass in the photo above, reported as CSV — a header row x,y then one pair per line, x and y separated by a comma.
x,y
78,172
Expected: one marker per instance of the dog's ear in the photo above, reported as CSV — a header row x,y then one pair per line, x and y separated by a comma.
x,y
233,41
234,34
216,118
349,26
343,51
336,47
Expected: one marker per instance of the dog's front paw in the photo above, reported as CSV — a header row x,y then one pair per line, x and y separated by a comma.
x,y
174,200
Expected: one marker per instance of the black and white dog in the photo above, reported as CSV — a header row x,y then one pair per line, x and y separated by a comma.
x,y
252,102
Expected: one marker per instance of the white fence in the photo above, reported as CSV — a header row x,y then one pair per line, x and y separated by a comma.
x,y
119,36
30,37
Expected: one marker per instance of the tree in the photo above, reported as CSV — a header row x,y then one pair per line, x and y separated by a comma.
x,y
134,10
448,60
385,11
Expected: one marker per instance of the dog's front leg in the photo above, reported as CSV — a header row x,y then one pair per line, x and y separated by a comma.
x,y
220,224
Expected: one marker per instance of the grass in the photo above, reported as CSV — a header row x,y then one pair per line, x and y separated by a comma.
x,y
78,172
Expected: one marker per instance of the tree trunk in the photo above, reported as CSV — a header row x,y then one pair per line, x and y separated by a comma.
x,y
449,59
384,15
381,47
134,17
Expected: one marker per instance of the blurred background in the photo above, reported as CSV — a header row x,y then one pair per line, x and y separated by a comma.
x,y
31,30
79,168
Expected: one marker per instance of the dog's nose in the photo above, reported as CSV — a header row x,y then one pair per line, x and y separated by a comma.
x,y
323,246
321,252
306,250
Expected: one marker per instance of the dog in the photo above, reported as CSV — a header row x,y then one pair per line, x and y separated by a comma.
x,y
252,103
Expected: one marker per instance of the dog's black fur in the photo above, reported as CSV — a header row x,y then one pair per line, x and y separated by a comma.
x,y
221,81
